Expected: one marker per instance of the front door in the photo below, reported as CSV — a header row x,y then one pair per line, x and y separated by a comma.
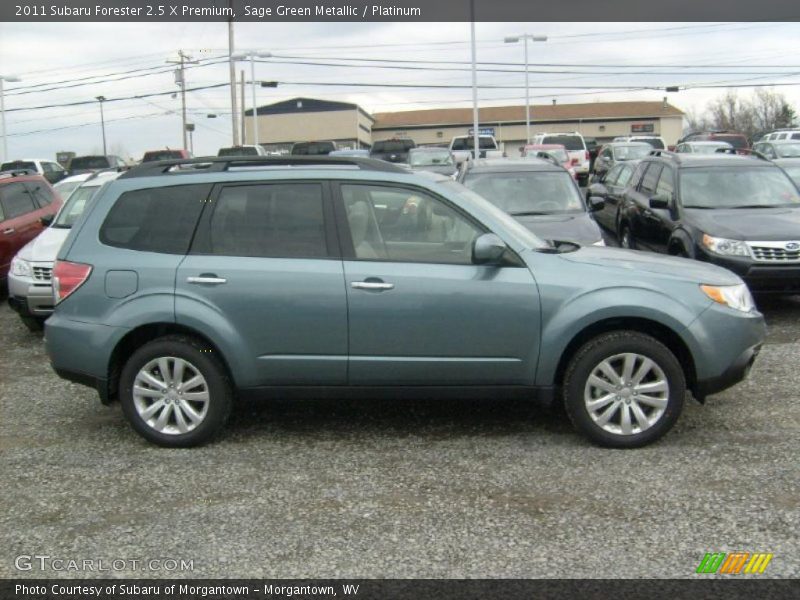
x,y
265,261
420,313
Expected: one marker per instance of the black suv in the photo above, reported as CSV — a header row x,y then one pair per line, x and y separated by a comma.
x,y
739,212
395,151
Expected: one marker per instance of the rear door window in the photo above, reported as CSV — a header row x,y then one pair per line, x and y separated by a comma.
x,y
624,175
16,200
666,184
650,179
156,219
276,220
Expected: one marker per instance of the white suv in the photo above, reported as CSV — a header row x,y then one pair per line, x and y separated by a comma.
x,y
576,149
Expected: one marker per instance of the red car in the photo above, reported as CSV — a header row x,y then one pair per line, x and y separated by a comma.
x,y
25,200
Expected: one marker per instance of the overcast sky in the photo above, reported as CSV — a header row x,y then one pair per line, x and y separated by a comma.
x,y
56,54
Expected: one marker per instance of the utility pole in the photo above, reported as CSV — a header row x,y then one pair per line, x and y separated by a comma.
x,y
102,99
180,79
232,75
475,132
9,78
241,95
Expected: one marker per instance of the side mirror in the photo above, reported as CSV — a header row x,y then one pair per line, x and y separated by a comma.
x,y
659,202
596,203
488,249
47,220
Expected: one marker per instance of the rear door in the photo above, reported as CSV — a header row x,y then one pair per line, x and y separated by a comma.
x,y
420,313
266,263
20,223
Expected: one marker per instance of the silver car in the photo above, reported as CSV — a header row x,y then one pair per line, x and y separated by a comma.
x,y
30,290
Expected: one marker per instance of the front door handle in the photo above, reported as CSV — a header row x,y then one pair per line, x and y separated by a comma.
x,y
208,279
8,231
372,285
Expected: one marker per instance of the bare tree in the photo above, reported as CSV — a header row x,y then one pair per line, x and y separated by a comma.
x,y
763,111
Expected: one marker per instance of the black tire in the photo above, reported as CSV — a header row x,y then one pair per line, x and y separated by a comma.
x,y
34,324
625,236
201,358
607,345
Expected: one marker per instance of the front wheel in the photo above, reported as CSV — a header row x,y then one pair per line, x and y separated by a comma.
x,y
624,389
175,392
626,239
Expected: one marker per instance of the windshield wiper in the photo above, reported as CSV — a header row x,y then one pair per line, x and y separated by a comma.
x,y
529,213
759,206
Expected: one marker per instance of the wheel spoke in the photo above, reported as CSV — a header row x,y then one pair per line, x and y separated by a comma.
x,y
607,414
190,412
595,405
151,379
163,366
195,396
625,419
161,422
651,401
609,372
627,367
152,409
643,370
651,387
180,419
641,418
147,392
192,383
601,383
177,373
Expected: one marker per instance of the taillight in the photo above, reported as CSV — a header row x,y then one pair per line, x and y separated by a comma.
x,y
574,161
68,277
587,155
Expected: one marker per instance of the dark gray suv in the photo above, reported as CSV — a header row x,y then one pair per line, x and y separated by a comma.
x,y
187,283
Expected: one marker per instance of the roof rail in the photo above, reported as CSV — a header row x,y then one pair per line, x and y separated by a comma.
x,y
108,170
217,164
17,173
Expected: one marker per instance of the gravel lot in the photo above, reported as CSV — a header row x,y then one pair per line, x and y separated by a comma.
x,y
391,489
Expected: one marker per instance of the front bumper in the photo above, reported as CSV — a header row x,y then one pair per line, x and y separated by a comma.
x,y
760,277
737,372
30,297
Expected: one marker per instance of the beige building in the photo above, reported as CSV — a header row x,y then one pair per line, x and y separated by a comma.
x,y
307,119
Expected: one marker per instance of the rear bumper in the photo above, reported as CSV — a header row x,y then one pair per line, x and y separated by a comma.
x,y
100,385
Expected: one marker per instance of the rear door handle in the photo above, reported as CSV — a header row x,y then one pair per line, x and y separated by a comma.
x,y
8,231
372,285
208,279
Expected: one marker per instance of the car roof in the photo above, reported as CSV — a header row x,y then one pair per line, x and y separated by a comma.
x,y
631,143
687,160
787,161
707,142
510,165
783,142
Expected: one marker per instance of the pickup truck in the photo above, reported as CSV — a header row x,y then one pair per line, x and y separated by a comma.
x,y
461,146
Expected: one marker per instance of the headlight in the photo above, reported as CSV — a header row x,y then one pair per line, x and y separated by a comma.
x,y
725,247
600,242
734,296
21,268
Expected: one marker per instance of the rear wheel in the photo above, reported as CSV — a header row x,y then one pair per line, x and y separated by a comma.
x,y
175,392
624,389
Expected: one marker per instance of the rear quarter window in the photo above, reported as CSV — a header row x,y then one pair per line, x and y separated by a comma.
x,y
155,219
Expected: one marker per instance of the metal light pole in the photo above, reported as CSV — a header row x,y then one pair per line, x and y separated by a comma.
x,y
102,99
475,134
513,40
10,79
232,74
252,55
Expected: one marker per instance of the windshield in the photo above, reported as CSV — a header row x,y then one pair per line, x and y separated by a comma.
x,y
653,141
89,162
794,173
737,187
570,142
392,146
509,224
632,152
464,143
709,148
161,155
528,192
74,206
737,141
788,150
16,165
65,188
430,158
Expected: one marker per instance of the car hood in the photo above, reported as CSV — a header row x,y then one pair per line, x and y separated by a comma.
x,y
636,261
764,224
45,246
577,227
